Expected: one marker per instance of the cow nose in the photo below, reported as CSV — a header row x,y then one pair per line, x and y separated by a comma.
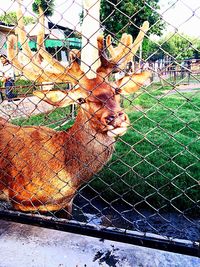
x,y
109,119
121,114
117,118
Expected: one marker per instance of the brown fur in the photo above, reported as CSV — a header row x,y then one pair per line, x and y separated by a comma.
x,y
41,169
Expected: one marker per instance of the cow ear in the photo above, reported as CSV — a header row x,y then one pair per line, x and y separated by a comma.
x,y
56,98
131,83
60,98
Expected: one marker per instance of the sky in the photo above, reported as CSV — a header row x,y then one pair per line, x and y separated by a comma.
x,y
66,11
181,14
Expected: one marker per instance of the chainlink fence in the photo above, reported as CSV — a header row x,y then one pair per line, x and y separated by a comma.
x,y
148,193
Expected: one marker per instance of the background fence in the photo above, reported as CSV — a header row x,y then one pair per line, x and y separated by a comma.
x,y
149,192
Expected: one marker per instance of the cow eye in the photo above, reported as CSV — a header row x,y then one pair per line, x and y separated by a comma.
x,y
81,101
118,91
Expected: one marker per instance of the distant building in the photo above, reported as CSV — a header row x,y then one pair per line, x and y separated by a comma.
x,y
58,39
5,30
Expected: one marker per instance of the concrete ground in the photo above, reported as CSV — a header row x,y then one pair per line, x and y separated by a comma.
x,y
24,107
31,246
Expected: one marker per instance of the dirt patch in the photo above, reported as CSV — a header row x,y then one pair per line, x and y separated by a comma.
x,y
188,86
123,216
180,90
24,107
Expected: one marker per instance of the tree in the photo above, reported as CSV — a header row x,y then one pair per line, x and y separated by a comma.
x,y
121,16
47,7
151,50
43,8
10,18
197,49
178,46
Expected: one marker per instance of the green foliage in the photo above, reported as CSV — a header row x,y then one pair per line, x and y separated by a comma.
x,y
126,16
46,5
151,50
197,49
24,87
156,161
179,46
10,18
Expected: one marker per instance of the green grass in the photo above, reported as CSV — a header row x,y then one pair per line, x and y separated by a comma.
x,y
178,79
52,119
156,163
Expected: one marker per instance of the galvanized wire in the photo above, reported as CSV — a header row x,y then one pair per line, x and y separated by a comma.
x,y
136,195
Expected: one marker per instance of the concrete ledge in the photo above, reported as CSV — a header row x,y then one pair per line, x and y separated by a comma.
x,y
31,246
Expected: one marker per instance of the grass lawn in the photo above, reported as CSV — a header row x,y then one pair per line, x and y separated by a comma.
x,y
156,163
178,79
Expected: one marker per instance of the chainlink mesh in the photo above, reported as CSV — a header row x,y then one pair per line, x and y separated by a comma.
x,y
151,183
